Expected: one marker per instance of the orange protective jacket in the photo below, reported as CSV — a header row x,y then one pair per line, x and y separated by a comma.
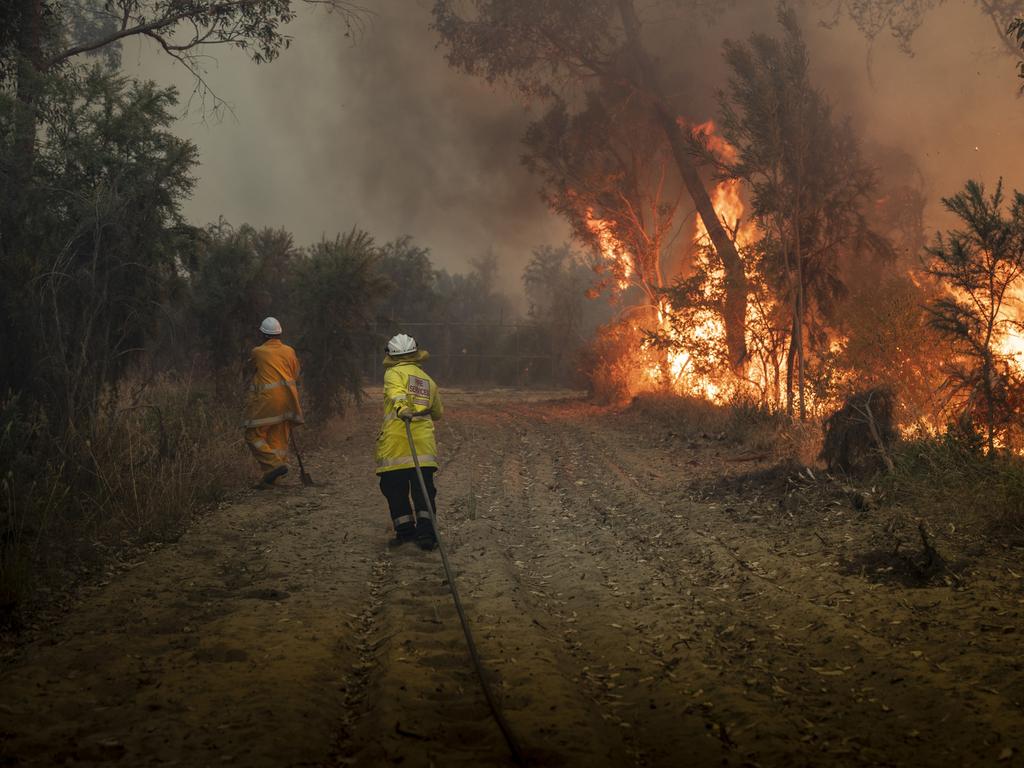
x,y
274,397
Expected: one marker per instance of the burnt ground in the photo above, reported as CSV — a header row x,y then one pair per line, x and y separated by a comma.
x,y
639,598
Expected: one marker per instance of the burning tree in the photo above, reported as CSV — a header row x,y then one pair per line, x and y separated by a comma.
x,y
544,47
809,186
606,170
692,337
891,344
982,265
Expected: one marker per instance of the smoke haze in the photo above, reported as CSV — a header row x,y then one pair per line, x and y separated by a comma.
x,y
379,133
375,132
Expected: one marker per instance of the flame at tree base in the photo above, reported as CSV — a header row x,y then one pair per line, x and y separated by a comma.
x,y
677,343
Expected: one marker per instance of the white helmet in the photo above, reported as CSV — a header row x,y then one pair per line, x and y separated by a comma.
x,y
270,327
401,345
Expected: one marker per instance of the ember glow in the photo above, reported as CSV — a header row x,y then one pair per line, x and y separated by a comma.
x,y
1012,343
694,363
679,371
612,251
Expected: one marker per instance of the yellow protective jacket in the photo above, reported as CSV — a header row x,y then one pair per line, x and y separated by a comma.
x,y
406,385
274,397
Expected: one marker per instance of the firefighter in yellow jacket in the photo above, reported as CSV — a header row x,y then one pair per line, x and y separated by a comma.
x,y
273,402
409,394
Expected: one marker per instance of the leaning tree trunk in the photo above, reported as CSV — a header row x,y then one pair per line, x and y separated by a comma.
x,y
735,312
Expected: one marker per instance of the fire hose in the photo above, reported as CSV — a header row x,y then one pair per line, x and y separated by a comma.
x,y
499,717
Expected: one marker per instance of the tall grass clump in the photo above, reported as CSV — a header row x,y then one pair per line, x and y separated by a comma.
x,y
33,494
950,480
74,500
742,423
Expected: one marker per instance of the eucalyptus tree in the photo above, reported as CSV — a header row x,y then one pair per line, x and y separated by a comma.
x,y
810,186
555,48
607,170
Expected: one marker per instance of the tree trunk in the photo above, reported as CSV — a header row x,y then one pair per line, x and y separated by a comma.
x,y
790,355
798,321
29,70
735,311
776,378
990,410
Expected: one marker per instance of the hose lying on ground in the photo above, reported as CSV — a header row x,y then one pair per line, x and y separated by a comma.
x,y
499,717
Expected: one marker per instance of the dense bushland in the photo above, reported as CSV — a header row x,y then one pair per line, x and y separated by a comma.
x,y
127,329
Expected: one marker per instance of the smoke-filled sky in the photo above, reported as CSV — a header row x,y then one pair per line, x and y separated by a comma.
x,y
379,133
375,132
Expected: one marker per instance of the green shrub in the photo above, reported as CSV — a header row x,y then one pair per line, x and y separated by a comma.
x,y
339,289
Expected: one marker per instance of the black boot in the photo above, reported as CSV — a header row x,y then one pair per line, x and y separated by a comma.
x,y
425,536
405,533
276,472
405,530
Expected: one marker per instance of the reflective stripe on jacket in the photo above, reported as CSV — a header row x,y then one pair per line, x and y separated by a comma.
x,y
407,385
274,396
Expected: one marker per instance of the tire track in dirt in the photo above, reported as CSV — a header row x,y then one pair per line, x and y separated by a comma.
x,y
420,703
421,669
413,698
806,665
599,615
630,664
914,694
586,701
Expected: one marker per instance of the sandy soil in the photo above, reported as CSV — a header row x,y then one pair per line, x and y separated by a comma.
x,y
626,615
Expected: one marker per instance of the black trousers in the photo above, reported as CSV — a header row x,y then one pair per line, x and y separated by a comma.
x,y
399,485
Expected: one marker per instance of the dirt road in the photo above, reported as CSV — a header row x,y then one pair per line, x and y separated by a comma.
x,y
625,617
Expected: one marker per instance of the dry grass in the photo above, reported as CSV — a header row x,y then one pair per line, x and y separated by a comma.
x,y
613,364
74,503
758,430
160,461
950,483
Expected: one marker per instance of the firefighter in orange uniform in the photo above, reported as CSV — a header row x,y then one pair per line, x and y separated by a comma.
x,y
273,402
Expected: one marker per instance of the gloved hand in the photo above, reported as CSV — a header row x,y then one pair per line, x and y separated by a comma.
x,y
405,413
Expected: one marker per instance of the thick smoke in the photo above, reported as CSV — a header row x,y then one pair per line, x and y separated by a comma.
x,y
952,107
379,133
374,131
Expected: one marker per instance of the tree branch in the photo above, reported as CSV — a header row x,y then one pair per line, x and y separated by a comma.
x,y
147,28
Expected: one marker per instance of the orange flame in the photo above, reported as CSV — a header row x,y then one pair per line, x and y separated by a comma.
x,y
677,369
728,204
612,251
1011,344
